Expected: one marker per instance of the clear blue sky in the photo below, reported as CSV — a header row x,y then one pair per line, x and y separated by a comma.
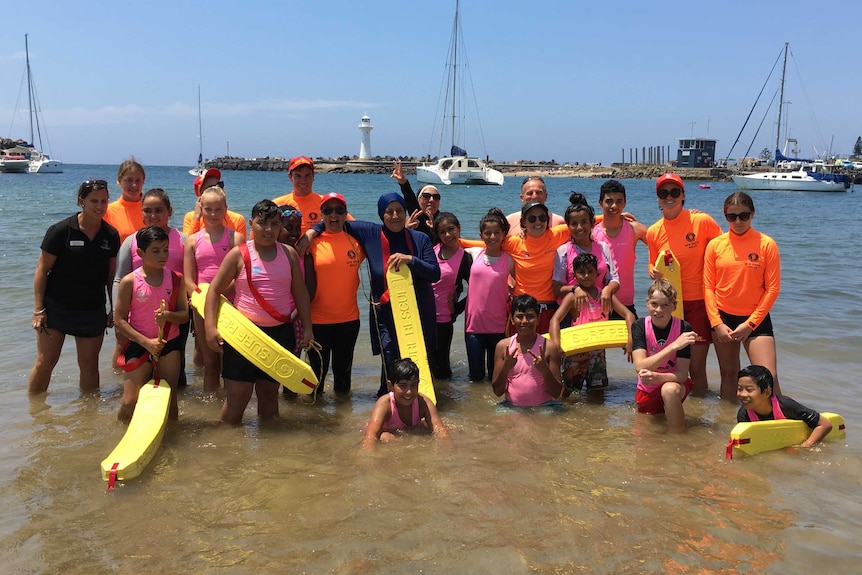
x,y
572,81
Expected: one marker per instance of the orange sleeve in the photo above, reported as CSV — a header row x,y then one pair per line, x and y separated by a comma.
x,y
771,280
709,282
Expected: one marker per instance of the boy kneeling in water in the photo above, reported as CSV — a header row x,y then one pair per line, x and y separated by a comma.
x,y
402,407
754,391
661,350
151,304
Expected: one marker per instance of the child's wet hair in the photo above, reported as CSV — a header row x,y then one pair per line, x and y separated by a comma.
x,y
759,375
404,369
145,236
662,287
611,187
494,215
157,193
217,191
578,203
524,302
442,217
265,210
585,261
128,166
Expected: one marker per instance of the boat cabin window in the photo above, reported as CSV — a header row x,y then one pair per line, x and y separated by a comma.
x,y
472,164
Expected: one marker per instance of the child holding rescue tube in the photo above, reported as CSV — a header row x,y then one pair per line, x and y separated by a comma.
x,y
268,287
204,252
661,350
589,367
151,304
402,408
759,403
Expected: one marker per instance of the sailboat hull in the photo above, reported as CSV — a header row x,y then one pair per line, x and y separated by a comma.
x,y
459,171
788,182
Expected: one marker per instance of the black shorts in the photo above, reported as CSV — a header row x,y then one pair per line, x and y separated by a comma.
x,y
77,323
734,321
238,368
134,350
615,315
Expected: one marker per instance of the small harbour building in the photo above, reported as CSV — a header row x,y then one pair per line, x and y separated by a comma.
x,y
695,153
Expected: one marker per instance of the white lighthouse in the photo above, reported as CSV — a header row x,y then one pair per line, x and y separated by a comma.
x,y
365,145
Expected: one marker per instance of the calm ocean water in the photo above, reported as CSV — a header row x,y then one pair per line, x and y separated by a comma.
x,y
595,489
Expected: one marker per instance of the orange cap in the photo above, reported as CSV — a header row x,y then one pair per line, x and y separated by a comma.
x,y
669,177
299,161
208,173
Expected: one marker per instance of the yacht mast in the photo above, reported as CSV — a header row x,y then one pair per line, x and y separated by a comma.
x,y
781,100
29,88
454,70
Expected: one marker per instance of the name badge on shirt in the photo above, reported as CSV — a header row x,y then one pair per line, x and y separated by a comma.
x,y
76,243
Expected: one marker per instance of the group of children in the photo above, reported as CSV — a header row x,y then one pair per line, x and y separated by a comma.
x,y
527,368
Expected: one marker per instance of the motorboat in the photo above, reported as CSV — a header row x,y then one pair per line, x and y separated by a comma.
x,y
457,167
704,186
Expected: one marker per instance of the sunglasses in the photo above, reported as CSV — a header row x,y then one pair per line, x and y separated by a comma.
x,y
427,196
673,192
339,210
94,185
290,212
541,217
743,216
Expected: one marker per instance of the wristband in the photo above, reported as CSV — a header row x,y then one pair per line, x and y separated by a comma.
x,y
39,312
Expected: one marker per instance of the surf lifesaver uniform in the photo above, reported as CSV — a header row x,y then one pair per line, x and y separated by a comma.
x,y
624,256
209,256
525,385
454,271
485,316
145,300
334,311
379,243
783,407
126,217
272,280
588,367
741,277
566,253
651,339
395,422
687,236
232,221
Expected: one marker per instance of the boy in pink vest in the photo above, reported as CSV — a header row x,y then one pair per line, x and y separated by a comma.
x,y
754,391
661,350
151,304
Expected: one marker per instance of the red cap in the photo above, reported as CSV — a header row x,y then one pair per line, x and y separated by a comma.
x,y
669,177
333,196
208,173
299,161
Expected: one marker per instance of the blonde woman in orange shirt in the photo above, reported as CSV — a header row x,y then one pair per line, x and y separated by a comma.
x,y
741,280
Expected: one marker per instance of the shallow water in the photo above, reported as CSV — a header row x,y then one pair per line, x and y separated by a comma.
x,y
594,489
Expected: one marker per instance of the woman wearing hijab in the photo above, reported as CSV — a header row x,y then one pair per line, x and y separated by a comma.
x,y
386,246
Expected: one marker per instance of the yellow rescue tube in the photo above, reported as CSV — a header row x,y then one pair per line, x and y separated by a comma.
x,y
142,437
755,437
408,327
593,336
668,265
257,347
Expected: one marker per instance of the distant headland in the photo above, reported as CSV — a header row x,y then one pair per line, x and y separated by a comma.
x,y
519,169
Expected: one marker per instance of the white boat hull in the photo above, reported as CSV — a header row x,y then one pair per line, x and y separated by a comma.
x,y
787,181
46,166
459,171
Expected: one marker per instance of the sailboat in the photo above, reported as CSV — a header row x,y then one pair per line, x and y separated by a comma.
x,y
458,167
39,162
200,168
810,176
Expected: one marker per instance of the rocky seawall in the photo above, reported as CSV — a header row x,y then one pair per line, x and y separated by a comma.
x,y
513,169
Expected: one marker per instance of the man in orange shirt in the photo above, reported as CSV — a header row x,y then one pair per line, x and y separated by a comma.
x,y
686,235
193,221
300,170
